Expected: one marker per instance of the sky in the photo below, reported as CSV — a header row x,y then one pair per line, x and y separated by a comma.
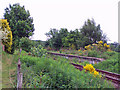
x,y
70,14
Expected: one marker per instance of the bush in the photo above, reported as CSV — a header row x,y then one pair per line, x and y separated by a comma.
x,y
92,53
25,43
6,35
39,51
110,65
110,53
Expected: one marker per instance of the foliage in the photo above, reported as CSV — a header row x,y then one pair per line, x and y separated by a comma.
x,y
7,35
88,34
20,20
25,43
48,73
111,64
99,47
38,51
118,48
92,53
93,32
55,38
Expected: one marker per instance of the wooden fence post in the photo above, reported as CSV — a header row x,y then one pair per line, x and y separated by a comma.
x,y
19,74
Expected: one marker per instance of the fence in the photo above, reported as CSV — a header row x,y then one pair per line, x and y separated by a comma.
x,y
19,74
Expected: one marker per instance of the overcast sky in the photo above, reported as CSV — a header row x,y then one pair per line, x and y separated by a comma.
x,y
70,14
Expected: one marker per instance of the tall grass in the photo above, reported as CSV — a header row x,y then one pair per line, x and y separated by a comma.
x,y
48,73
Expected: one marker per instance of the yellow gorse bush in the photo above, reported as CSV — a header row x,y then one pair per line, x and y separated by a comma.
x,y
107,46
100,46
91,69
89,47
100,42
7,34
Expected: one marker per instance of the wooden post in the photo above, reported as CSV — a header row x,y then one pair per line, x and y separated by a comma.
x,y
19,75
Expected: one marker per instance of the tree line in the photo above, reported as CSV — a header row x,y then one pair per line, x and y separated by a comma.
x,y
89,33
22,27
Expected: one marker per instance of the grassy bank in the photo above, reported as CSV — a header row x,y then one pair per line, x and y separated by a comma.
x,y
9,67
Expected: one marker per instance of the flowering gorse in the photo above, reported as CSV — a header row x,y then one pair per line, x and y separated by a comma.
x,y
100,46
6,34
100,42
91,69
89,47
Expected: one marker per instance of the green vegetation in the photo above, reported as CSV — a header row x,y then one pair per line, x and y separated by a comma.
x,y
48,73
41,70
111,64
6,34
9,67
38,51
88,34
26,44
20,22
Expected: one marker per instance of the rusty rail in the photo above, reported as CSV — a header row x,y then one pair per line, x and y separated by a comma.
x,y
114,77
75,56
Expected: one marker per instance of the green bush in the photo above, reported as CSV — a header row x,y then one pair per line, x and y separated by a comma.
x,y
110,65
92,53
25,43
38,51
110,53
47,73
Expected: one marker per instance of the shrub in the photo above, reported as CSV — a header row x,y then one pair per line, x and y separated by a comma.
x,y
110,53
110,65
38,51
25,43
7,34
92,53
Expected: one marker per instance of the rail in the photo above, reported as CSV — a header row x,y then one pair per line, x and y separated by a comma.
x,y
75,56
114,77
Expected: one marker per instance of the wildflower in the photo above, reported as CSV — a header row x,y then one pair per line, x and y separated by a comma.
x,y
89,67
84,51
80,53
105,45
108,46
96,73
109,50
100,42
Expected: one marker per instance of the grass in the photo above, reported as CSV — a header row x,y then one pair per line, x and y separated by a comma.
x,y
0,65
50,73
9,66
110,64
9,63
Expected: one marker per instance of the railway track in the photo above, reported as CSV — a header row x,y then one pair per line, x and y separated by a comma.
x,y
115,78
92,60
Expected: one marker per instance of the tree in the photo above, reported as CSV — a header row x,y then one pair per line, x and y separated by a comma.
x,y
19,20
55,37
93,32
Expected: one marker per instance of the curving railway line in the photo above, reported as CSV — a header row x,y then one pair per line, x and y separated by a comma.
x,y
115,78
